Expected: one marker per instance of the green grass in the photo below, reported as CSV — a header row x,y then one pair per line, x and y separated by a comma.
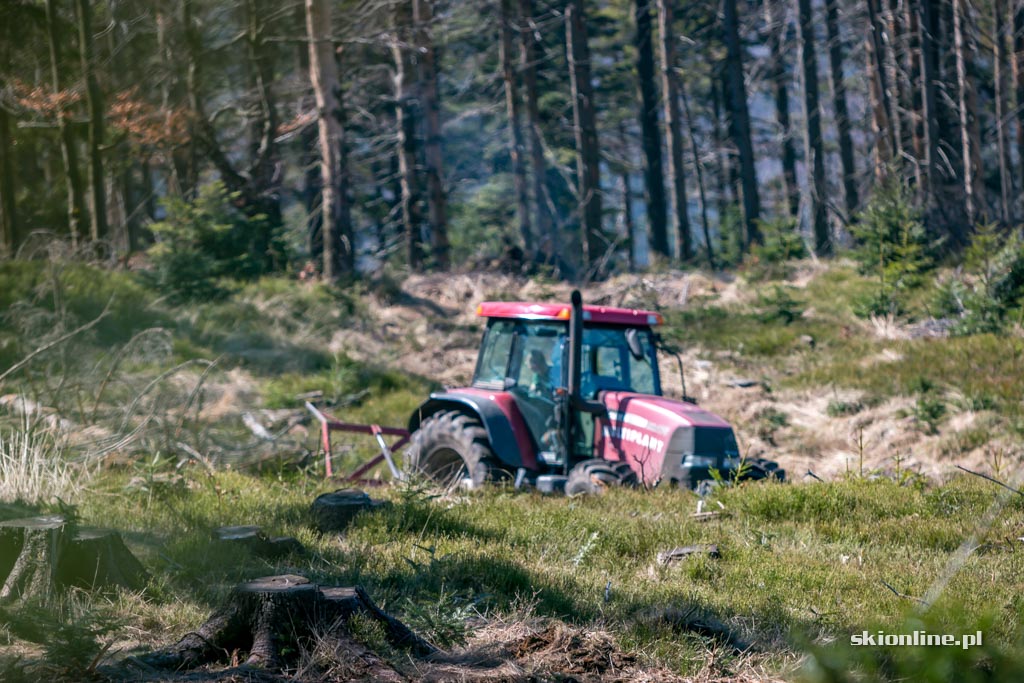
x,y
797,562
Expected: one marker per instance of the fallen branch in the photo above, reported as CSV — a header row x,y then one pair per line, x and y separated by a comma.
x,y
903,595
56,342
991,479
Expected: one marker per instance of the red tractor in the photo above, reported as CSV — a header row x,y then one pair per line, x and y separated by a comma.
x,y
569,398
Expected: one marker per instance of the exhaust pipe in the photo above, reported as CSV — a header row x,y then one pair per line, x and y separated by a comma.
x,y
575,345
575,401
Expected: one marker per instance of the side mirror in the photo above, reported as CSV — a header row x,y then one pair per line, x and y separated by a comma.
x,y
636,349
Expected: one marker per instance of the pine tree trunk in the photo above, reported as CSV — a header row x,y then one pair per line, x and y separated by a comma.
x,y
670,92
8,211
548,240
879,89
778,76
814,152
405,119
1000,81
94,102
516,147
1018,78
723,173
929,99
68,145
336,229
627,199
893,45
437,211
699,171
654,179
968,123
588,154
915,98
739,122
835,60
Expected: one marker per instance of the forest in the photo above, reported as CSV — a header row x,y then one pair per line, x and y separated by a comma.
x,y
579,139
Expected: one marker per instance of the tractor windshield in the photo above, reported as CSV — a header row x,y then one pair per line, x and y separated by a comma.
x,y
531,355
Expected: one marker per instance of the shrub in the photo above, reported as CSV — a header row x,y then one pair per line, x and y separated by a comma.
x,y
210,238
779,306
782,243
991,287
892,247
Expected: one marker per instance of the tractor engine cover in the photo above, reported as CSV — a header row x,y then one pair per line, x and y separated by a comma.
x,y
664,440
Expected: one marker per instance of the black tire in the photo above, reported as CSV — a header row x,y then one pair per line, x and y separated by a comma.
x,y
592,477
452,449
762,468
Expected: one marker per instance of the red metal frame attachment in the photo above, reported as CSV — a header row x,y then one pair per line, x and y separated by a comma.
x,y
329,423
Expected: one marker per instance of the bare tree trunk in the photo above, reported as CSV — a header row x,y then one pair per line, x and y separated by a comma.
x,y
69,151
670,91
588,154
437,211
515,131
8,212
929,99
835,61
1018,78
723,172
968,120
915,97
627,201
879,90
894,51
814,152
699,170
777,74
739,122
654,179
94,101
999,77
548,239
338,256
405,119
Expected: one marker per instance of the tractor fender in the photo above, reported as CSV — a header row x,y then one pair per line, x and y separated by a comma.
x,y
506,429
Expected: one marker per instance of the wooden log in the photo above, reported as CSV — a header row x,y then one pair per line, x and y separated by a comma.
x,y
272,618
334,512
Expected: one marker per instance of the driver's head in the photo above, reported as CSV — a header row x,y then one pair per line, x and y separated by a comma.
x,y
537,361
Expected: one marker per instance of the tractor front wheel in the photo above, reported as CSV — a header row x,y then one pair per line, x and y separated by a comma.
x,y
593,476
452,449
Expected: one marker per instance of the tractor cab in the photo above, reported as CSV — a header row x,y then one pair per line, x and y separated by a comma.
x,y
526,352
568,398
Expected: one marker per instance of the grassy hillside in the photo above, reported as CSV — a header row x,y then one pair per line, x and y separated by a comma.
x,y
139,421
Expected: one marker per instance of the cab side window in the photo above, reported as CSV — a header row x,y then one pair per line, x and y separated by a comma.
x,y
493,361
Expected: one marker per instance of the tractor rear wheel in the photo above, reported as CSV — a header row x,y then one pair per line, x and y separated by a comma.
x,y
452,449
593,476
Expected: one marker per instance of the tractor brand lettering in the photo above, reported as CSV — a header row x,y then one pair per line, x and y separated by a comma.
x,y
635,436
637,421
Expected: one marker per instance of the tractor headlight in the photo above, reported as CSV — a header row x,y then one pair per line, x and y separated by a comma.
x,y
692,461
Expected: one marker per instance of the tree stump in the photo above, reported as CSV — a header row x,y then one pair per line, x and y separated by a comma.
x,y
333,512
41,554
273,618
255,541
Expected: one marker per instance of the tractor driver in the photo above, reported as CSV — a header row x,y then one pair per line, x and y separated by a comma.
x,y
540,385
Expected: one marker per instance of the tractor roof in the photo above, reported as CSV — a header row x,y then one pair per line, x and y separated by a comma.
x,y
596,314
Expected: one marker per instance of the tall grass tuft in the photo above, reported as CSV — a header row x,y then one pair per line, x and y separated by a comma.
x,y
34,467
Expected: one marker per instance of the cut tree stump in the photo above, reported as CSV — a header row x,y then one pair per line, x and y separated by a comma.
x,y
273,618
333,512
39,555
253,539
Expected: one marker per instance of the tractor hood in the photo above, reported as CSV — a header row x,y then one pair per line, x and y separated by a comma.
x,y
662,438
